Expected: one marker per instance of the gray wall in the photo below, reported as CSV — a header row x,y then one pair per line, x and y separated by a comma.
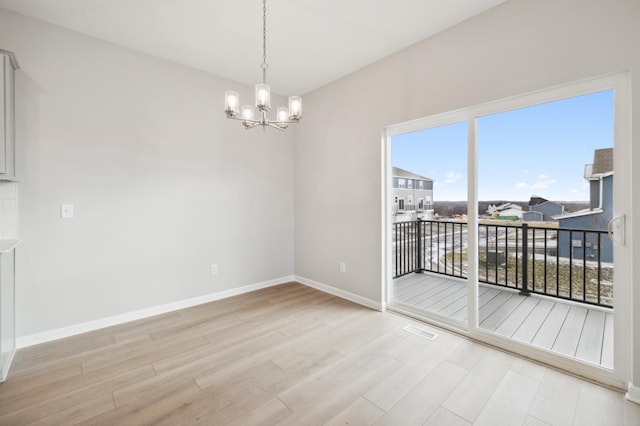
x,y
163,185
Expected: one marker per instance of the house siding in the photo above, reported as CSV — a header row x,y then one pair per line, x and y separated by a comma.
x,y
596,221
548,210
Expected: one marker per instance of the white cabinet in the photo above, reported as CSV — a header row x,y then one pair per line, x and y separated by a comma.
x,y
8,212
7,311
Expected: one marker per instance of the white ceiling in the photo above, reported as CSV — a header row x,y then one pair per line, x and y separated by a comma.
x,y
309,42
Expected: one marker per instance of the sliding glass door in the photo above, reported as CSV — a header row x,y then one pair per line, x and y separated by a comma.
x,y
532,258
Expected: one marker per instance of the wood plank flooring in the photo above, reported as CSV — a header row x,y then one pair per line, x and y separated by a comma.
x,y
579,331
291,355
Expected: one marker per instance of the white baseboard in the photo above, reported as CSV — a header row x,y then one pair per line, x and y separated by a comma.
x,y
378,306
59,333
633,393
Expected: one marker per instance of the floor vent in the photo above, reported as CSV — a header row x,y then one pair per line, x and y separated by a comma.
x,y
420,332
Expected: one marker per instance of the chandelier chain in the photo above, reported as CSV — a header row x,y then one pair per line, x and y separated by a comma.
x,y
264,42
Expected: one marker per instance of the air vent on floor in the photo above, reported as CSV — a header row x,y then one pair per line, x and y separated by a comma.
x,y
420,331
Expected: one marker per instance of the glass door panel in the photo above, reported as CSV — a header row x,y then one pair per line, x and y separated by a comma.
x,y
429,223
545,198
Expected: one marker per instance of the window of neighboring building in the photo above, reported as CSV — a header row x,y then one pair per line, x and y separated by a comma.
x,y
421,184
401,183
410,183
594,194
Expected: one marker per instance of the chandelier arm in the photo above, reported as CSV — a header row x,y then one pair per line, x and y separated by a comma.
x,y
260,121
250,124
242,119
270,124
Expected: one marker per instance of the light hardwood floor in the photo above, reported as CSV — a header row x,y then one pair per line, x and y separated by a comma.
x,y
291,355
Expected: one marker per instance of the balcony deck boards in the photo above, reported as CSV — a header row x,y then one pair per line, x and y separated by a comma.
x,y
579,331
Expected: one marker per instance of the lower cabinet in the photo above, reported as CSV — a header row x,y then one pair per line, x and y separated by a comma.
x,y
7,311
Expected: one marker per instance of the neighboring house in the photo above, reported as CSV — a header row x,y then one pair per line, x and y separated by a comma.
x,y
596,217
506,211
542,210
412,195
533,216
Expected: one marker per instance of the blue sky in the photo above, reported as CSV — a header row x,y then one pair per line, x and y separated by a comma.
x,y
539,150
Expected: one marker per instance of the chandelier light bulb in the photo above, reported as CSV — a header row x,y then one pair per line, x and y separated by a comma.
x,y
231,103
283,113
263,98
295,108
247,112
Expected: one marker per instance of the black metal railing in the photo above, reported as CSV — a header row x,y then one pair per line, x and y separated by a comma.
x,y
430,245
559,262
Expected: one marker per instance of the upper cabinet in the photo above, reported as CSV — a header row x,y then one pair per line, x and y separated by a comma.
x,y
8,65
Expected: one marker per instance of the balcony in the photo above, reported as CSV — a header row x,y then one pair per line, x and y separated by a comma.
x,y
545,286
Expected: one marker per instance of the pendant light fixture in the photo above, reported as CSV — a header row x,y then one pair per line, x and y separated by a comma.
x,y
257,116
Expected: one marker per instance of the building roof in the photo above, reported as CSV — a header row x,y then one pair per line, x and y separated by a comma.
x,y
579,213
535,200
507,206
401,173
602,164
550,203
602,161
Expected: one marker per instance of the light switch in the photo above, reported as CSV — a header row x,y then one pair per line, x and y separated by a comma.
x,y
66,211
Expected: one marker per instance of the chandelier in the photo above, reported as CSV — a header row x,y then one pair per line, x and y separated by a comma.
x,y
257,116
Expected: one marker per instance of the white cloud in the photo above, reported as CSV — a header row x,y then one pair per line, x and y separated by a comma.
x,y
452,177
544,183
522,185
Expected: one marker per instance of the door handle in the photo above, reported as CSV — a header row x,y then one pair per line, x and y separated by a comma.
x,y
616,229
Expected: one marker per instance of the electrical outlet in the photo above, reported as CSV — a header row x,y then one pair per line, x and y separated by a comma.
x,y
343,267
66,211
214,269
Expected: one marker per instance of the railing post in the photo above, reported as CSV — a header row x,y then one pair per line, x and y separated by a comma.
x,y
525,259
419,259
